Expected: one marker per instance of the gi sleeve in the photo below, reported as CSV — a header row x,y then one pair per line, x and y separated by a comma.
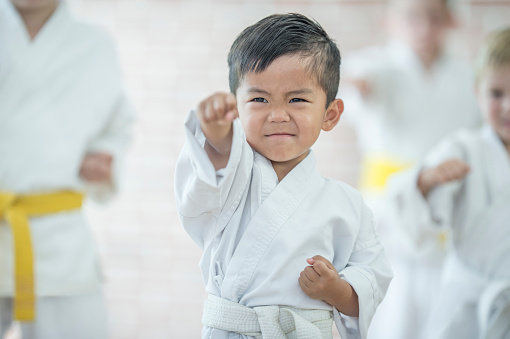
x,y
424,223
114,140
369,273
206,199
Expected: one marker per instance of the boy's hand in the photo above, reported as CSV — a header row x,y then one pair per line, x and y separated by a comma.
x,y
216,114
450,170
321,281
96,167
218,109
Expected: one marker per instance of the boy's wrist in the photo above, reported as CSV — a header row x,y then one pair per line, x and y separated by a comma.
x,y
218,137
344,298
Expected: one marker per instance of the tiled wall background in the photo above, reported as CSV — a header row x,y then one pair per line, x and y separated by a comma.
x,y
174,54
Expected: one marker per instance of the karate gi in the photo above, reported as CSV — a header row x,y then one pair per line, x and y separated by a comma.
x,y
256,232
474,299
409,110
61,96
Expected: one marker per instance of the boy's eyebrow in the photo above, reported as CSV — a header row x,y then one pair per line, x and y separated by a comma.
x,y
300,91
255,90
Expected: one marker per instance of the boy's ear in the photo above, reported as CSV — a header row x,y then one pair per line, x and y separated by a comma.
x,y
333,113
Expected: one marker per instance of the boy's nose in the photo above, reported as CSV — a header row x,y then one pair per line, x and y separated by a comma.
x,y
278,114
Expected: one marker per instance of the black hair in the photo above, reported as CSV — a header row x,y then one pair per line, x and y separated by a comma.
x,y
283,34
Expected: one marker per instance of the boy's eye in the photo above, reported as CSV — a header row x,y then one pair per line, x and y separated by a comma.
x,y
496,93
259,100
298,100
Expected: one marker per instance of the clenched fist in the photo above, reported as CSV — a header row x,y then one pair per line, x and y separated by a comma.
x,y
321,281
216,114
96,167
449,170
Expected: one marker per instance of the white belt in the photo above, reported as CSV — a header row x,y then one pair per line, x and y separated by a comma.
x,y
267,321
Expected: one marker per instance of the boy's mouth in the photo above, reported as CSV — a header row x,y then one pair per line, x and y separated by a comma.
x,y
279,135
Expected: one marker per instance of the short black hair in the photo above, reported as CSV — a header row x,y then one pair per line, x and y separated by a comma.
x,y
283,34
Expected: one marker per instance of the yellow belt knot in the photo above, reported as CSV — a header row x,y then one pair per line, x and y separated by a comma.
x,y
16,209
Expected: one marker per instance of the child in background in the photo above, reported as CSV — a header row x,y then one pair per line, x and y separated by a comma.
x,y
249,195
463,186
410,94
407,87
65,126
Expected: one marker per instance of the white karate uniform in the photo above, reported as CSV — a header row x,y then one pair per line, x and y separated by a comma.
x,y
61,96
256,232
409,110
475,290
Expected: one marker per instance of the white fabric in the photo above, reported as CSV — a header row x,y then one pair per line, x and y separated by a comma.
x,y
77,317
267,321
256,233
61,96
476,212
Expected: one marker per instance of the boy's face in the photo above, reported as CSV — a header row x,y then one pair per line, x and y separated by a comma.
x,y
282,110
422,24
494,98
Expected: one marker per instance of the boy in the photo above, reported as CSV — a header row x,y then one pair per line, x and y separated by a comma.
x,y
464,186
63,132
248,194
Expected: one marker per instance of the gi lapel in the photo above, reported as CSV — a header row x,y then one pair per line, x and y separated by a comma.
x,y
33,61
497,164
490,230
265,224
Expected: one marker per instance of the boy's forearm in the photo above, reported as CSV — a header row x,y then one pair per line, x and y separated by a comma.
x,y
344,299
218,145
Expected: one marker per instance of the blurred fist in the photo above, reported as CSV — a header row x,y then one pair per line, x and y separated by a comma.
x,y
450,170
96,167
320,279
219,108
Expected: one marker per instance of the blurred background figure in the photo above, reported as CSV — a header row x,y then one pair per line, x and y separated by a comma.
x,y
173,53
63,133
412,92
463,185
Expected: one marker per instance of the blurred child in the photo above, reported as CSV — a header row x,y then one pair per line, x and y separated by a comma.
x,y
410,94
464,186
408,87
64,129
249,195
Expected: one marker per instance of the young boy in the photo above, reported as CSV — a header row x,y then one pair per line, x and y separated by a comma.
x,y
464,186
248,194
64,129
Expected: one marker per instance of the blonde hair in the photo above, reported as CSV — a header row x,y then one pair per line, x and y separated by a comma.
x,y
495,53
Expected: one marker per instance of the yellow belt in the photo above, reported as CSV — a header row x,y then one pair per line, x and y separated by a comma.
x,y
16,209
377,169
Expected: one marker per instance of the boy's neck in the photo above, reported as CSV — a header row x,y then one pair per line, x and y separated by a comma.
x,y
35,20
283,168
